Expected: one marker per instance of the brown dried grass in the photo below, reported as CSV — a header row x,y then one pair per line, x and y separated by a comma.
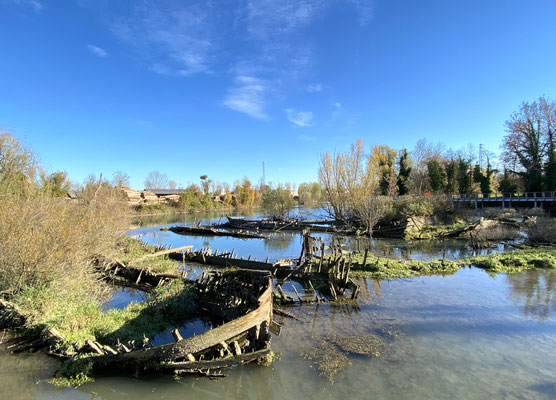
x,y
50,241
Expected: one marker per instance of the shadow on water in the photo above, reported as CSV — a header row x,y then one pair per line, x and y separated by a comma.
x,y
278,241
546,388
122,296
534,291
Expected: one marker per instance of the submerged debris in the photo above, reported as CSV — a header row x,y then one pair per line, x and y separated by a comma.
x,y
368,345
328,359
211,231
392,330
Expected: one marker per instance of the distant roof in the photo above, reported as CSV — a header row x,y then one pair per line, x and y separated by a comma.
x,y
165,192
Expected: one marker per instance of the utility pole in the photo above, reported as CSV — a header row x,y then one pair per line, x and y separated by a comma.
x,y
264,179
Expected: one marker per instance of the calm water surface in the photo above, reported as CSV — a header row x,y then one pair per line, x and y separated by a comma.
x,y
465,336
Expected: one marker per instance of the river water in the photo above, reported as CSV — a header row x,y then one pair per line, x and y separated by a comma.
x,y
465,336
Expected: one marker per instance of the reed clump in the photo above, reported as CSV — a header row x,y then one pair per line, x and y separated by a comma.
x,y
49,241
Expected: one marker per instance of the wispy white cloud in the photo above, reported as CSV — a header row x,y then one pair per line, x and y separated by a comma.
x,y
336,113
306,138
365,10
315,88
247,96
176,36
271,17
97,51
257,41
34,4
300,119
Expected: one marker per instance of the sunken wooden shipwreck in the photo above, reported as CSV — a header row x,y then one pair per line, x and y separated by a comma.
x,y
211,231
240,298
280,224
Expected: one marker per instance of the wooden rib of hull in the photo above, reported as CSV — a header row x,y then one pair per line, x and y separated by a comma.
x,y
224,261
152,358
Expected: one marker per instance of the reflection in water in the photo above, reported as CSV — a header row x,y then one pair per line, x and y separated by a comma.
x,y
277,241
121,297
451,249
456,337
213,217
467,335
21,375
535,291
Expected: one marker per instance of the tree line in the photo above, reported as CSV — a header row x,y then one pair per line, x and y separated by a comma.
x,y
359,184
527,162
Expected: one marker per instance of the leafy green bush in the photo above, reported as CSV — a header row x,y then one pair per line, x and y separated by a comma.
x,y
414,206
277,202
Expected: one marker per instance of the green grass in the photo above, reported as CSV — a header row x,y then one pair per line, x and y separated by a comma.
x,y
514,261
510,262
130,251
386,268
77,318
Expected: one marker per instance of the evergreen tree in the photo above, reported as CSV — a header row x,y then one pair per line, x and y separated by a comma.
x,y
451,177
506,184
404,172
550,172
464,177
436,176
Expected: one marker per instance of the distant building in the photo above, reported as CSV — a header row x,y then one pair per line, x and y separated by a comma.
x,y
153,196
167,195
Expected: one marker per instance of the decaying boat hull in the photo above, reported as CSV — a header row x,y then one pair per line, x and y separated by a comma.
x,y
210,231
216,348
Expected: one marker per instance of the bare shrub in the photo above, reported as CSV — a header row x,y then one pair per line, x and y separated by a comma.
x,y
348,180
543,231
49,241
495,212
371,210
18,168
533,212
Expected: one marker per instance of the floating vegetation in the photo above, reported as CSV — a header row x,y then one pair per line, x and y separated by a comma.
x,y
368,345
328,359
514,261
386,268
331,355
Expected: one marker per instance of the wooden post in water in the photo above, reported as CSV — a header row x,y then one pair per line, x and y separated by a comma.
x,y
365,257
297,293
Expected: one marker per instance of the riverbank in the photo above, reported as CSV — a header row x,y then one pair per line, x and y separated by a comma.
x,y
148,210
383,268
82,318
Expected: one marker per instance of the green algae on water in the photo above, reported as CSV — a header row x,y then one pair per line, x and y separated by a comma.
x,y
328,359
368,345
387,268
514,261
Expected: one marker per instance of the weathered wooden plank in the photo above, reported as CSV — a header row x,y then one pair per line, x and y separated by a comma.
x,y
219,363
152,357
164,252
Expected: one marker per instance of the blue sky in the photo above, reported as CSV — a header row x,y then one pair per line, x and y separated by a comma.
x,y
217,87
